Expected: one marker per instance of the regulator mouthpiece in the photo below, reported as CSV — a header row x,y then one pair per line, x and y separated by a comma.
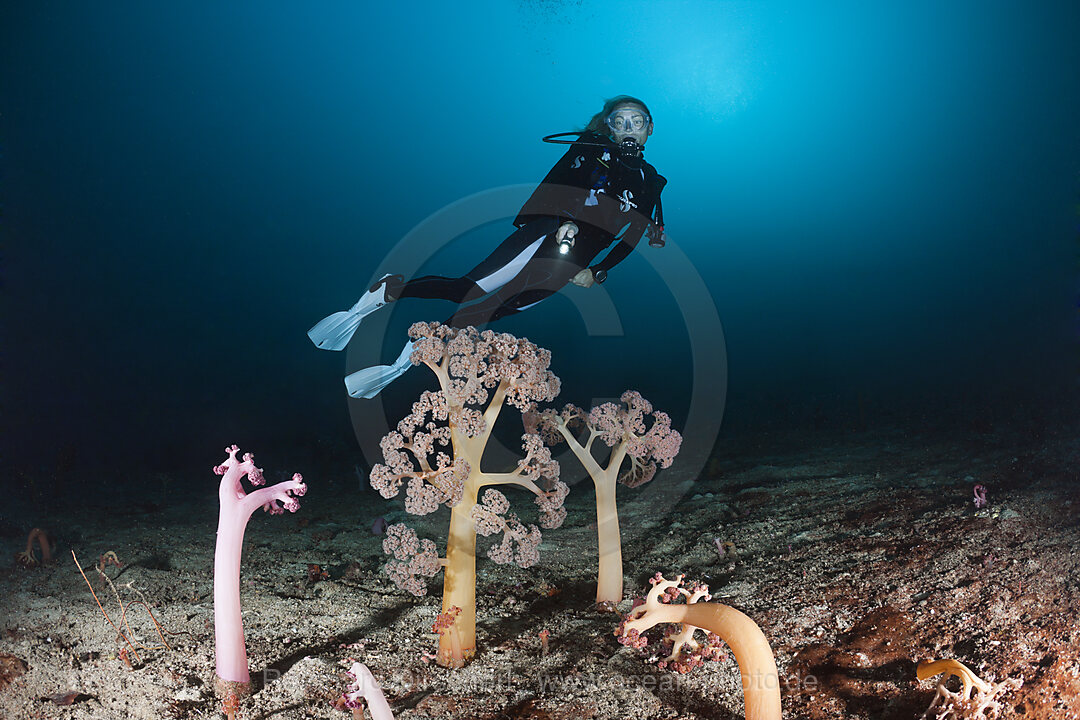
x,y
629,148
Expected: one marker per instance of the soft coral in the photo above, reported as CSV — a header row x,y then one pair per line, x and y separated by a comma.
x,y
760,679
479,373
236,508
27,558
638,449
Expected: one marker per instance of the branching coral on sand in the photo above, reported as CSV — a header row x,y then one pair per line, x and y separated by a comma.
x,y
27,558
760,679
237,505
436,454
364,687
638,449
975,698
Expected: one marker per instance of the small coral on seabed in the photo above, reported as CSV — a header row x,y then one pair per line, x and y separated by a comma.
x,y
27,559
757,666
974,700
366,688
979,496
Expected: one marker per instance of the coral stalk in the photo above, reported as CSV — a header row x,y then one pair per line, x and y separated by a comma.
x,y
27,558
365,686
236,508
642,449
757,666
457,645
609,574
479,373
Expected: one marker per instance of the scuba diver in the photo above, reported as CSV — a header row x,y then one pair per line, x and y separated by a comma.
x,y
601,193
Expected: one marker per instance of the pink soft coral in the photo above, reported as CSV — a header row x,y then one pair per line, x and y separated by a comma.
x,y
236,508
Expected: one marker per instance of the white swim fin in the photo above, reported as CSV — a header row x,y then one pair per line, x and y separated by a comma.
x,y
369,382
334,331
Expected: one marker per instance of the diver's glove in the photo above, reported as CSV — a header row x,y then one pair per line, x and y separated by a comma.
x,y
657,236
583,278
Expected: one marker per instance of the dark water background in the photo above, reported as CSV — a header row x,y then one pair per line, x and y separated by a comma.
x,y
880,198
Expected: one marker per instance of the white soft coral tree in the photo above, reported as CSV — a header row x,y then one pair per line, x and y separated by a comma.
x,y
641,441
437,452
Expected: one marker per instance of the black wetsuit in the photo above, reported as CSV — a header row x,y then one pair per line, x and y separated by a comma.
x,y
608,196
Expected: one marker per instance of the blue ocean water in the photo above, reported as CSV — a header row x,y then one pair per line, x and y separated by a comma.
x,y
876,201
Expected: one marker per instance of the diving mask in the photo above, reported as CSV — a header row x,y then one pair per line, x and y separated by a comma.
x,y
626,121
630,128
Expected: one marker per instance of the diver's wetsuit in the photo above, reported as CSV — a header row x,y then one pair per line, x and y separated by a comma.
x,y
608,196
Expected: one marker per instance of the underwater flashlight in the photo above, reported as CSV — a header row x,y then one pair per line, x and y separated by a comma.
x,y
567,240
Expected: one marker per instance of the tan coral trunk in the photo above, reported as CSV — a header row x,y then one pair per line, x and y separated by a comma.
x,y
760,679
609,576
457,645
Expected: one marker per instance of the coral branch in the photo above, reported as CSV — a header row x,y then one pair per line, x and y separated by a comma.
x,y
409,452
491,517
119,632
235,511
976,697
364,686
760,679
641,446
27,558
414,557
479,373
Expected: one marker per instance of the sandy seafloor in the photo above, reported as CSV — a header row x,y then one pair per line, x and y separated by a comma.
x,y
858,557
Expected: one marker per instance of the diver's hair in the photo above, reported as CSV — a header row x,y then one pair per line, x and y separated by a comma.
x,y
598,126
